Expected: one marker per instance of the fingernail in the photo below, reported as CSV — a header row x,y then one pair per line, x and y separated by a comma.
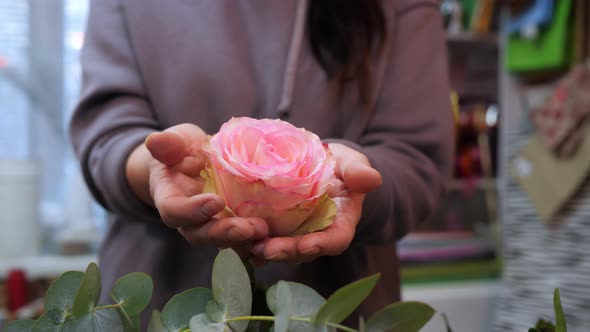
x,y
312,251
278,257
235,234
212,207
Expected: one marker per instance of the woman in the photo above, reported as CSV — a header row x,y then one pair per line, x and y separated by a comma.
x,y
369,77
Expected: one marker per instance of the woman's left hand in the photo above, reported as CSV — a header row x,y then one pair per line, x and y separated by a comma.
x,y
356,178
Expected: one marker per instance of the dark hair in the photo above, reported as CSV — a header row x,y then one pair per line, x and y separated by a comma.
x,y
345,35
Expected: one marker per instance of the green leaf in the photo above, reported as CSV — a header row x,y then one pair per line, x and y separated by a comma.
x,y
133,292
89,292
283,307
156,323
303,302
201,323
343,302
130,324
544,326
52,320
20,326
214,312
97,321
231,288
560,323
181,308
62,292
401,317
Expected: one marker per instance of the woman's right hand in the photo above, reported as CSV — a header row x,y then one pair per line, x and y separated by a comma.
x,y
165,172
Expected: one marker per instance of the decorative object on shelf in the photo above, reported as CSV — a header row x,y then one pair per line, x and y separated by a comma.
x,y
550,182
483,13
19,201
528,22
560,119
549,52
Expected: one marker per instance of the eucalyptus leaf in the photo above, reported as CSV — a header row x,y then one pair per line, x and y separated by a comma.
x,y
400,317
214,312
231,288
303,302
155,324
133,292
62,292
89,292
343,302
283,307
97,321
181,308
51,320
20,326
201,323
560,323
130,323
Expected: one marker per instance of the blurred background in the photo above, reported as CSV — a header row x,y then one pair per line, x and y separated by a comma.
x,y
511,229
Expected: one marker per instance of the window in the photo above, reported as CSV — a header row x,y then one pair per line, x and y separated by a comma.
x,y
40,42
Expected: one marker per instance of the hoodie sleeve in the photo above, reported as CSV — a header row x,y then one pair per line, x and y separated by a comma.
x,y
410,138
113,115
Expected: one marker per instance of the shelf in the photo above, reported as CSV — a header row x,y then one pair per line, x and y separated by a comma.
x,y
465,184
45,266
472,39
468,305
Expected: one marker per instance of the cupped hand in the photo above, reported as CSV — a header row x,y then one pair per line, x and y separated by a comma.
x,y
176,188
356,178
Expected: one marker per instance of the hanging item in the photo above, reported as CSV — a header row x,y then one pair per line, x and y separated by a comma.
x,y
549,51
528,23
559,120
549,181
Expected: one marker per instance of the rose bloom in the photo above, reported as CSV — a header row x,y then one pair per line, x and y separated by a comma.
x,y
272,170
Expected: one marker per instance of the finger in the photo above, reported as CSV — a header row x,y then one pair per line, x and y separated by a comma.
x,y
354,168
174,183
360,178
224,233
195,138
180,211
281,249
191,165
337,237
167,147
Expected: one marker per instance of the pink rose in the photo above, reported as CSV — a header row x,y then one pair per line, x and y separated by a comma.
x,y
272,170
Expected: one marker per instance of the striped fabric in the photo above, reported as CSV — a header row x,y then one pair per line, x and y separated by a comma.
x,y
539,258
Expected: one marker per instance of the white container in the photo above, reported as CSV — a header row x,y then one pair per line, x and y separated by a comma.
x,y
19,208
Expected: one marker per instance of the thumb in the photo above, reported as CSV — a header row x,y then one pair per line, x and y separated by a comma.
x,y
359,177
167,147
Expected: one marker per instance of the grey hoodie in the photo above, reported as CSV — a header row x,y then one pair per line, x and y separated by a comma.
x,y
151,64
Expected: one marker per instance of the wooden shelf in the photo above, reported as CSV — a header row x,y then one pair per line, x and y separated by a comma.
x,y
45,266
482,184
473,40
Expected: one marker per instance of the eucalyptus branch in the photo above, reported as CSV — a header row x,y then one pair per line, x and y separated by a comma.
x,y
110,306
297,319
